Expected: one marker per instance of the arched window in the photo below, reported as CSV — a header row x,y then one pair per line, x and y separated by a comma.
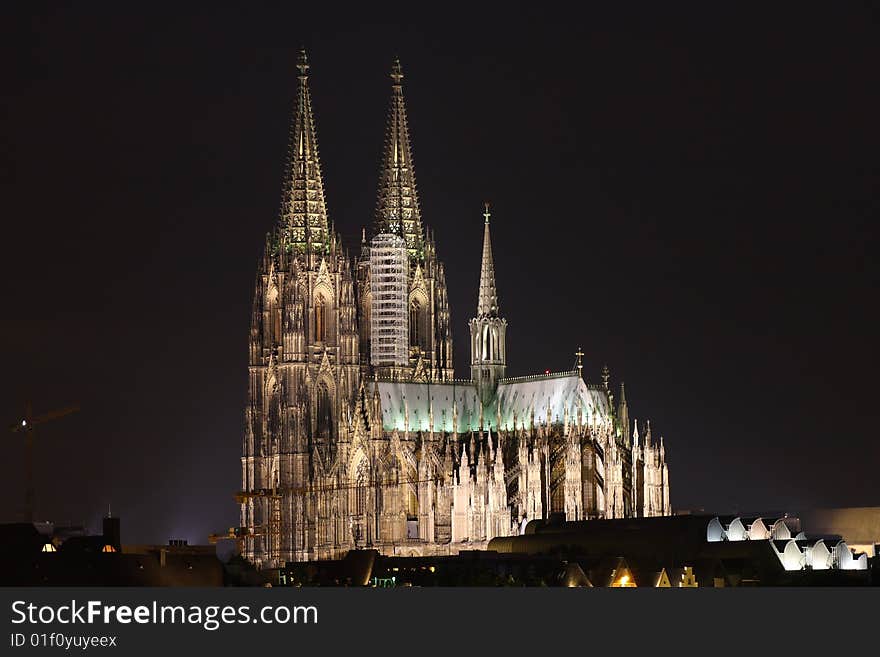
x,y
320,320
487,347
276,324
419,326
367,315
361,482
324,425
415,317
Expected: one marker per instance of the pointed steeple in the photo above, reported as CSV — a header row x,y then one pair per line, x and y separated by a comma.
x,y
487,304
397,207
304,220
623,415
488,328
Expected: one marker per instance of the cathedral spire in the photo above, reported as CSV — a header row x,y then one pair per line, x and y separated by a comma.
x,y
488,328
487,304
397,207
303,211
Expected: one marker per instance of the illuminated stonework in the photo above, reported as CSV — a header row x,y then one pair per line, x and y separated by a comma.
x,y
340,454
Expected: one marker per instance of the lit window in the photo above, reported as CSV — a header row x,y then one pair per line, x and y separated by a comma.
x,y
48,547
108,548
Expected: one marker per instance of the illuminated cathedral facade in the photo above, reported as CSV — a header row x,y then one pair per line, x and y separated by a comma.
x,y
357,434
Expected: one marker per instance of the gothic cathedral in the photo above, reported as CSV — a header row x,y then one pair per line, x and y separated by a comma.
x,y
356,432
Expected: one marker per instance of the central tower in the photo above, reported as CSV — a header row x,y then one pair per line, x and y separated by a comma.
x,y
488,328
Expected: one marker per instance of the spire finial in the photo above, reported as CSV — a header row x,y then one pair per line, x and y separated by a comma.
x,y
397,207
303,63
305,222
486,213
606,376
487,303
396,72
580,361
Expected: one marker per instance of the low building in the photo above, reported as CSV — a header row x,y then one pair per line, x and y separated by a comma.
x,y
36,555
721,550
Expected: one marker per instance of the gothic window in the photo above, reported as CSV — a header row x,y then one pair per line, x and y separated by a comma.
x,y
276,324
367,314
487,346
320,320
412,506
324,428
362,480
418,323
414,321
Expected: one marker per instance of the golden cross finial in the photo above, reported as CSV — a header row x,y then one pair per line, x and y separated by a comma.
x,y
486,212
580,360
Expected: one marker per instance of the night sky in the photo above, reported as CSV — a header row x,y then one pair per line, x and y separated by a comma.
x,y
689,195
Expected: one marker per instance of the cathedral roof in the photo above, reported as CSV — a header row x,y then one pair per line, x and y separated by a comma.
x,y
397,207
413,403
303,210
557,393
419,400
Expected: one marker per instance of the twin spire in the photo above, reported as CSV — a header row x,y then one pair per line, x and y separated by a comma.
x,y
304,219
397,206
303,210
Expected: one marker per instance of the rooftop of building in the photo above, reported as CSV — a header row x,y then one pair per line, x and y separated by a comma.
x,y
411,405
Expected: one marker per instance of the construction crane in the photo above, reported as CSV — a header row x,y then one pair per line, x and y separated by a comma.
x,y
28,426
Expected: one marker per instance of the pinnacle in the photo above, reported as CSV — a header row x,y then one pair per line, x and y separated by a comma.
x,y
302,63
397,206
305,224
396,71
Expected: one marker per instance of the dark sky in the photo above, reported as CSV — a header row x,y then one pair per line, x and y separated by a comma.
x,y
689,195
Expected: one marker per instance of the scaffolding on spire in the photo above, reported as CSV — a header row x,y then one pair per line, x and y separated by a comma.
x,y
389,311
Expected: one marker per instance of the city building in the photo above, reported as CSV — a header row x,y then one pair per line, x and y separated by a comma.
x,y
43,554
357,433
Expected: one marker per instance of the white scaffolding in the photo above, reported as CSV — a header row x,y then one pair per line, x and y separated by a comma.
x,y
389,309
